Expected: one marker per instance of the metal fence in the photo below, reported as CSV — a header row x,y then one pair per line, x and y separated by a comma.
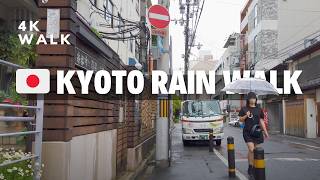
x,y
37,121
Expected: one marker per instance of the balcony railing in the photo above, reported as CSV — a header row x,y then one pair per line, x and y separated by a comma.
x,y
37,132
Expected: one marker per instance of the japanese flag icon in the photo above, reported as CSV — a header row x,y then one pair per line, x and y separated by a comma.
x,y
32,81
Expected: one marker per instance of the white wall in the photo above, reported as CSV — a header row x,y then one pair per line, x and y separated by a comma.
x,y
127,9
231,55
86,157
297,19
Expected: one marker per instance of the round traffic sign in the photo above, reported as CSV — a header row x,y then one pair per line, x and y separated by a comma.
x,y
159,16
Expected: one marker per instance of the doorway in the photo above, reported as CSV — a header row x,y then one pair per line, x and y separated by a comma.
x,y
311,118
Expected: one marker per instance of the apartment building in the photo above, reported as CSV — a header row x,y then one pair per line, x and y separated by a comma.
x,y
271,32
229,61
269,27
259,20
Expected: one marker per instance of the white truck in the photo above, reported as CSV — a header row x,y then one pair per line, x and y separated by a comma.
x,y
198,118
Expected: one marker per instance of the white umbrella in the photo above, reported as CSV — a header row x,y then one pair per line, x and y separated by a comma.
x,y
246,85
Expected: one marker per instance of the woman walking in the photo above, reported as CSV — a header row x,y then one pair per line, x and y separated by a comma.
x,y
254,130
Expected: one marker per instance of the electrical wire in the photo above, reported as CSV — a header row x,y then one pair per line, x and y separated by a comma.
x,y
111,15
285,50
196,26
127,27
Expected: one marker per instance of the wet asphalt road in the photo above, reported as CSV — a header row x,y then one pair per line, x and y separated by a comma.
x,y
193,162
287,158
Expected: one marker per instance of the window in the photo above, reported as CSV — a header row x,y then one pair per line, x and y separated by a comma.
x,y
121,25
108,11
131,45
201,108
255,11
137,53
255,49
154,40
137,8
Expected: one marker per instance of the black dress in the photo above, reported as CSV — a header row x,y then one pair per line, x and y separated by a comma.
x,y
250,122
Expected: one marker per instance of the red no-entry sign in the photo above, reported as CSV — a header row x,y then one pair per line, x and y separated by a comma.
x,y
159,16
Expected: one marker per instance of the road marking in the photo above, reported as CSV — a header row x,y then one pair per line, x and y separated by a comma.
x,y
296,159
307,145
225,162
284,159
288,159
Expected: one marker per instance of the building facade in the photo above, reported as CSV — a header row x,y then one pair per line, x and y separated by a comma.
x,y
229,61
302,111
270,27
271,32
91,137
259,31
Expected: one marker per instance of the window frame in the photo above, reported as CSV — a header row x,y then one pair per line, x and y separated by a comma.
x,y
255,53
107,4
255,17
121,23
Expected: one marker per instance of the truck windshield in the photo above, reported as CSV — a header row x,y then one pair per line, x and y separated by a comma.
x,y
201,108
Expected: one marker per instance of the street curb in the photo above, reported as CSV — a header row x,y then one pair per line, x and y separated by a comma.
x,y
143,165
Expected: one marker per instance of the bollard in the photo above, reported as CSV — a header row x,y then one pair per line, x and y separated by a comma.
x,y
259,164
231,157
211,140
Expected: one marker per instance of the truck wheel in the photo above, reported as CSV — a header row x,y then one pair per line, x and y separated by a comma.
x,y
218,142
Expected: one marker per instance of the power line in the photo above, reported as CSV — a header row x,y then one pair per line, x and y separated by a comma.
x,y
196,26
292,48
110,14
125,26
286,50
299,30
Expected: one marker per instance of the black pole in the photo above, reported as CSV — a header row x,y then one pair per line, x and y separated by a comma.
x,y
259,164
211,140
231,158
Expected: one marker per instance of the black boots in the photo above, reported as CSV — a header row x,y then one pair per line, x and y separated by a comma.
x,y
250,170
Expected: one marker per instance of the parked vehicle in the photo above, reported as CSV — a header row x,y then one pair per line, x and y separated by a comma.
x,y
234,122
198,118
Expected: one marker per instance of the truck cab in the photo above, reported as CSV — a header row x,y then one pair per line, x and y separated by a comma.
x,y
198,118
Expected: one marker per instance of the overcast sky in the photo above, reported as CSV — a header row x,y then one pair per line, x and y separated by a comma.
x,y
219,19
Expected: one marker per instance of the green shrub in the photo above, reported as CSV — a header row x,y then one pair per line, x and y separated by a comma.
x,y
23,170
13,51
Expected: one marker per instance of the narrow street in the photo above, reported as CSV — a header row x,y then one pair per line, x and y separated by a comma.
x,y
191,162
139,89
286,158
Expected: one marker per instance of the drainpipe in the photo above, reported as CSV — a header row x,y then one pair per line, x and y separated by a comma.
x,y
284,115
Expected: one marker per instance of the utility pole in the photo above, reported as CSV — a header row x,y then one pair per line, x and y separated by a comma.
x,y
163,103
186,32
190,11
